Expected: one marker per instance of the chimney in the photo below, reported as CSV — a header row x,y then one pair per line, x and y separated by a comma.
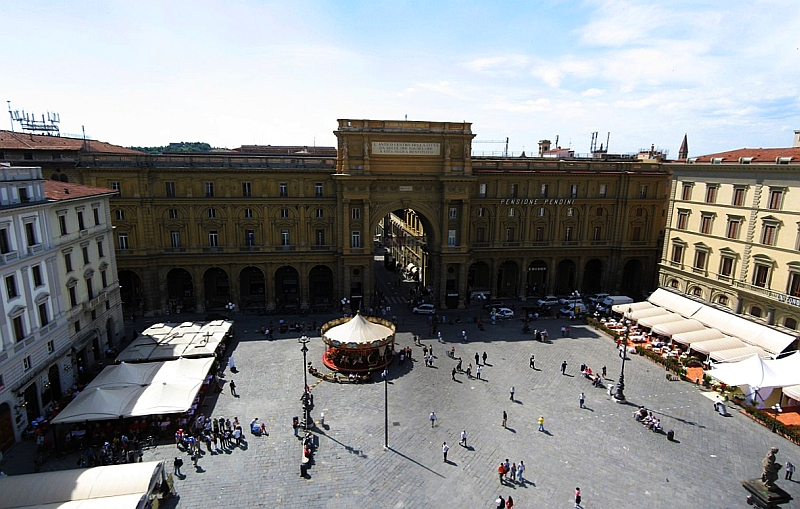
x,y
796,141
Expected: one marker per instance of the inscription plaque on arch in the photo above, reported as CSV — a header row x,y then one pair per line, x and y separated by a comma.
x,y
398,148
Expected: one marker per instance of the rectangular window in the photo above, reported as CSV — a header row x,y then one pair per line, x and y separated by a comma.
x,y
30,233
284,213
643,191
119,214
43,318
775,199
175,238
761,276
77,326
250,238
101,252
683,220
5,245
81,222
27,364
283,190
213,238
355,242
570,212
19,334
726,266
318,189
36,272
248,213
603,191
636,234
173,213
453,212
677,253
514,190
543,191
482,190
686,193
568,233
247,190
700,260
511,212
539,234
103,278
733,228
451,238
11,287
85,253
738,196
96,214
320,237
68,261
768,235
793,288
89,287
212,213
540,212
284,237
480,212
23,195
711,194
597,233
51,346
480,234
510,234
62,224
122,238
116,187
73,296
170,189
209,189
573,191
356,213
705,223
320,213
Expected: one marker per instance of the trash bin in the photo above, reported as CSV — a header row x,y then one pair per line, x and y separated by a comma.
x,y
671,435
303,469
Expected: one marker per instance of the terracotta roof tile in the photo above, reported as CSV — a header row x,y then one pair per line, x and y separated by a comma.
x,y
759,155
22,141
58,191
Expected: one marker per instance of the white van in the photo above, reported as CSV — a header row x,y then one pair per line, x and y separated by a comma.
x,y
613,300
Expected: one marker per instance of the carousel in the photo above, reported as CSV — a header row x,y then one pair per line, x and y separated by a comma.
x,y
358,344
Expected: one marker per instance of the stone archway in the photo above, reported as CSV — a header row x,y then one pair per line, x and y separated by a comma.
x,y
131,291
287,289
537,278
180,290
7,438
217,287
507,280
565,277
592,277
252,289
320,284
479,278
632,278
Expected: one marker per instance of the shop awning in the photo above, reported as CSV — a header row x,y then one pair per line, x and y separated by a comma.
x,y
792,391
646,313
655,320
706,347
738,354
675,302
165,341
634,306
670,328
687,338
767,338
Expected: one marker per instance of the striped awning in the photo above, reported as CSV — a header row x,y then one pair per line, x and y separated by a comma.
x,y
670,328
715,345
655,320
687,338
738,354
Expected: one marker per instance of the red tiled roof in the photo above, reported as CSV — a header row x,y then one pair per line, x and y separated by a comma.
x,y
22,141
57,191
759,155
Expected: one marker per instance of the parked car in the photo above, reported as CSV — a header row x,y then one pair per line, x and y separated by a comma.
x,y
578,308
598,297
548,300
496,304
424,309
611,301
570,301
504,313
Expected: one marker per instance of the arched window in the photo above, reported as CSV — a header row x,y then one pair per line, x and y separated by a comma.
x,y
673,283
722,300
697,291
790,323
756,311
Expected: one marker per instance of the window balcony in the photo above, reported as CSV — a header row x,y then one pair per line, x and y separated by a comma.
x,y
768,293
8,257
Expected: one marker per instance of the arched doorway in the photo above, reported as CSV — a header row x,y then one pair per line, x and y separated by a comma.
x,y
507,277
632,279
130,291
320,284
217,288
592,277
479,279
32,407
180,290
537,278
52,390
7,438
408,242
252,289
287,289
565,277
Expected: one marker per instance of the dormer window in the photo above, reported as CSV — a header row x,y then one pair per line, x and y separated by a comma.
x,y
745,160
716,160
783,160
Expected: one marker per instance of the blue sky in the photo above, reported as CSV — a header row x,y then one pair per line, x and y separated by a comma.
x,y
254,72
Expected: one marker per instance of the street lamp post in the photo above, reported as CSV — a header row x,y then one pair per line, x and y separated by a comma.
x,y
385,376
619,395
303,340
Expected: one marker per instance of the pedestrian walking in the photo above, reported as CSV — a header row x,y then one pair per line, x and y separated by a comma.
x,y
501,472
231,364
178,463
582,400
533,361
432,418
445,448
563,331
484,358
477,359
789,470
439,335
564,368
509,503
505,418
478,372
578,498
520,470
454,373
469,371
463,441
604,371
511,392
541,423
501,503
233,387
513,472
569,331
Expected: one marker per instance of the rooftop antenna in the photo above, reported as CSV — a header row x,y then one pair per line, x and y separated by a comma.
x,y
556,141
608,138
406,116
47,126
593,143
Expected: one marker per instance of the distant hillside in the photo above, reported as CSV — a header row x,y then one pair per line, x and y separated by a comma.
x,y
184,146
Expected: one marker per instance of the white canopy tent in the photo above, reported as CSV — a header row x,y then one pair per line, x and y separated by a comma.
x,y
655,320
760,376
671,328
126,486
134,390
737,354
646,313
358,330
792,391
687,338
165,341
675,302
633,306
714,345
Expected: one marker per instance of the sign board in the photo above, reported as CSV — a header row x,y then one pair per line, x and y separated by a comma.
x,y
398,148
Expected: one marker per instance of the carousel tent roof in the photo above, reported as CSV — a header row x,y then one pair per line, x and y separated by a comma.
x,y
687,338
358,330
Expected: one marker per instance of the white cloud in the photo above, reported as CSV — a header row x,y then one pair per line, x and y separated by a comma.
x,y
592,92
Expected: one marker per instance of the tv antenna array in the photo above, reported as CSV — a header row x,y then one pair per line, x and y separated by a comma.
x,y
29,124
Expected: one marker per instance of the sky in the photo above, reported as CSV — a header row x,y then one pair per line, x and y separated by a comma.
x,y
281,73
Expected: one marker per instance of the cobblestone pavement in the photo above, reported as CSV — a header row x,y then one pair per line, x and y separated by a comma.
x,y
616,462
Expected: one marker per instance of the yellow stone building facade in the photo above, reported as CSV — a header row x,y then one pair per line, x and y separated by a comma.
x,y
292,228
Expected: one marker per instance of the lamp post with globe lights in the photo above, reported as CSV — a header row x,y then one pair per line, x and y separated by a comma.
x,y
619,395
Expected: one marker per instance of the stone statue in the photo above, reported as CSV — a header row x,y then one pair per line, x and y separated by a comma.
x,y
366,148
771,467
467,151
447,149
344,149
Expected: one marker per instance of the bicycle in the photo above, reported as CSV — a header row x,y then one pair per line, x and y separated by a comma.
x,y
149,442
